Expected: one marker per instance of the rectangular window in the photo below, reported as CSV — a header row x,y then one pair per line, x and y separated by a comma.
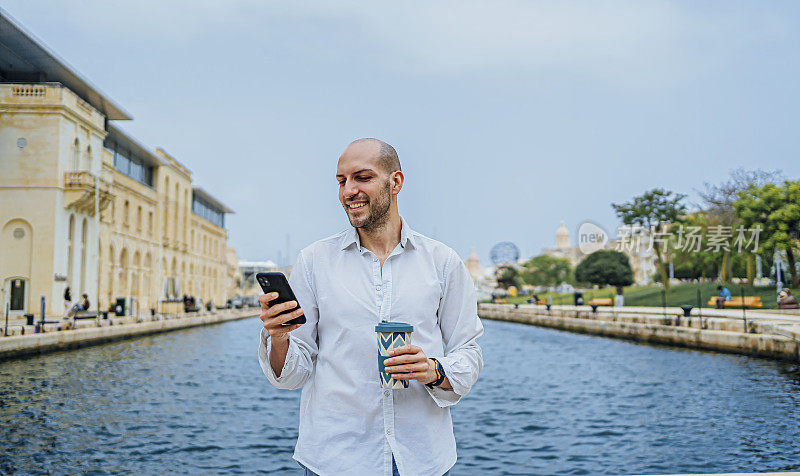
x,y
133,167
204,210
136,172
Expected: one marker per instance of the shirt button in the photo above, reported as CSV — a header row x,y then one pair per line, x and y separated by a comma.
x,y
378,287
388,431
386,393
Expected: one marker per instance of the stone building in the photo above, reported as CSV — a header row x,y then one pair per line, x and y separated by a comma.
x,y
473,263
84,205
641,259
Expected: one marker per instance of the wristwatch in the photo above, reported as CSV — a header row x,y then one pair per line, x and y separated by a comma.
x,y
439,374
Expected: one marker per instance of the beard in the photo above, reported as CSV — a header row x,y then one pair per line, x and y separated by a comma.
x,y
378,210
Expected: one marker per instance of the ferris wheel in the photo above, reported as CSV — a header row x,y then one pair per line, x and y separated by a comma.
x,y
504,252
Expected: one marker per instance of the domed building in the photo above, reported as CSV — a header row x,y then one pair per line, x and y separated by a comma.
x,y
473,263
563,247
642,263
562,237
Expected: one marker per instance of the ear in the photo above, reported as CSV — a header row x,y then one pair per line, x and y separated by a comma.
x,y
397,181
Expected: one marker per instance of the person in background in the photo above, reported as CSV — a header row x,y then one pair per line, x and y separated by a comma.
x,y
786,300
85,303
67,301
724,295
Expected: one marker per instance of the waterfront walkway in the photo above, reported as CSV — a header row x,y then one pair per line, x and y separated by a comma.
x,y
771,334
24,340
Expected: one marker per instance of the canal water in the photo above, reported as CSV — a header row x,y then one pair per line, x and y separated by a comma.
x,y
547,402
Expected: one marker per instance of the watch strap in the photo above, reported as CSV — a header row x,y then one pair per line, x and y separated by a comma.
x,y
439,374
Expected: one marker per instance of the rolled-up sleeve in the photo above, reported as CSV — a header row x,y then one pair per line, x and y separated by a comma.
x,y
303,343
461,327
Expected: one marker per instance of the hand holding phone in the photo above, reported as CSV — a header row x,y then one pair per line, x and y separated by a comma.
x,y
277,304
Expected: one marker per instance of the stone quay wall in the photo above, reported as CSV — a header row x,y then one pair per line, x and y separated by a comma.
x,y
30,344
775,337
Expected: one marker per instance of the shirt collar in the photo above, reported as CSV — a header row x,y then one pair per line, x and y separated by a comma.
x,y
351,236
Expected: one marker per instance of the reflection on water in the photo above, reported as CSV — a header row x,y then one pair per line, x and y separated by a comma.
x,y
547,402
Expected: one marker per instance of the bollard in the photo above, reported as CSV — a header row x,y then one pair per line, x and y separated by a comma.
x,y
744,313
548,307
699,310
42,309
594,309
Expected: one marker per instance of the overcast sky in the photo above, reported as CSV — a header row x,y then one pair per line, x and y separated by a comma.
x,y
508,116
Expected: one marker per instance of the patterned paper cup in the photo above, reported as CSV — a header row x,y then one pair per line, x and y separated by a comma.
x,y
390,336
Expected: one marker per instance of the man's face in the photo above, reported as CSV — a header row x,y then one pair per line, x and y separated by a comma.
x,y
365,191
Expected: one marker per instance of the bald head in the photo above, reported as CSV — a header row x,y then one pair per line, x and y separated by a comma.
x,y
385,154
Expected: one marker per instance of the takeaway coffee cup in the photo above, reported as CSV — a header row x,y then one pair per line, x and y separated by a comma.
x,y
390,336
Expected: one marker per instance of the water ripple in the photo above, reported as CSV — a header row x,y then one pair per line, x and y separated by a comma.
x,y
196,402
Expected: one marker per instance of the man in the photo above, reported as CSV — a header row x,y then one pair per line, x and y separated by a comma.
x,y
85,303
377,269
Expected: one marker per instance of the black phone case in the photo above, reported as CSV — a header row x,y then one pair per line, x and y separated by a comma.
x,y
277,283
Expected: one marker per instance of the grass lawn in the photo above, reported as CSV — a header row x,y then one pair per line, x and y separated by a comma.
x,y
678,295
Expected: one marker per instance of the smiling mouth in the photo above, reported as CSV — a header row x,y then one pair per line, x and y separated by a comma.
x,y
356,205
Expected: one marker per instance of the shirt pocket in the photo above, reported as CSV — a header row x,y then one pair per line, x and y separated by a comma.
x,y
415,300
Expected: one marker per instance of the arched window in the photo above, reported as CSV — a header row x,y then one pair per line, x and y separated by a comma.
x,y
111,266
126,212
88,159
135,274
70,246
139,218
146,277
185,213
76,154
150,223
84,264
177,212
123,272
165,206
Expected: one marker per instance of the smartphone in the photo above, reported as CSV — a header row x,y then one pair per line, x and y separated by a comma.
x,y
277,283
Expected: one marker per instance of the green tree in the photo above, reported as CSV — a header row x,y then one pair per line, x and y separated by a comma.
x,y
776,209
719,208
606,268
654,211
690,254
545,270
507,276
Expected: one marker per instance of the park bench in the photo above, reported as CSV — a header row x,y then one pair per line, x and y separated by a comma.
x,y
86,315
602,302
39,325
749,302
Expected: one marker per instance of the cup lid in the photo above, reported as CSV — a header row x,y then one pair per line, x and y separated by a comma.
x,y
386,326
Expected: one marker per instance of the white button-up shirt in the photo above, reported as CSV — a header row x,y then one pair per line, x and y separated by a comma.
x,y
348,423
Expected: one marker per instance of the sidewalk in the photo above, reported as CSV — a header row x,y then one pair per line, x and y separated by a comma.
x,y
757,333
88,333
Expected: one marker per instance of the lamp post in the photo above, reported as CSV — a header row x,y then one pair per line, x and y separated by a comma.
x,y
96,254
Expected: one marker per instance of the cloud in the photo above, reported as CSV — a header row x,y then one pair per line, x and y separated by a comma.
x,y
631,43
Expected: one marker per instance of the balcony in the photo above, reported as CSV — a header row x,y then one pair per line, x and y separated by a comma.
x,y
79,192
48,98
